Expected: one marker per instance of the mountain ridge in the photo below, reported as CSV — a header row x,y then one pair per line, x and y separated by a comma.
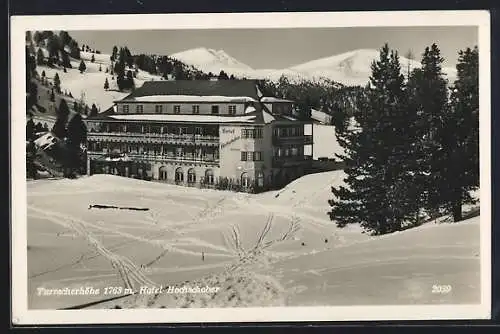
x,y
350,68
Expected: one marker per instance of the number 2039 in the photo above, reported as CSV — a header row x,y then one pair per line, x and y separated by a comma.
x,y
441,289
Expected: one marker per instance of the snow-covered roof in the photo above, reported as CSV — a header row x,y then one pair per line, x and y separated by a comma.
x,y
195,88
194,98
268,118
273,99
250,109
185,118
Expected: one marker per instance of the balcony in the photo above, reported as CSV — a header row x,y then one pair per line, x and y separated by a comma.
x,y
291,161
293,140
155,138
187,158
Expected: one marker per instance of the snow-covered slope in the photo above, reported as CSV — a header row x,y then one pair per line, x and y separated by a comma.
x,y
89,85
277,248
210,60
353,67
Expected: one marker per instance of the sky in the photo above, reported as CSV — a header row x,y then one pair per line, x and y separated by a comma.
x,y
282,48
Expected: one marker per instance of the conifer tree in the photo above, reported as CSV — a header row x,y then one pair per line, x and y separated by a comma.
x,y
57,83
93,110
92,59
52,96
82,66
62,113
40,59
106,84
376,155
428,102
459,171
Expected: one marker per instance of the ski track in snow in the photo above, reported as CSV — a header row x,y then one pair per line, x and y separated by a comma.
x,y
253,263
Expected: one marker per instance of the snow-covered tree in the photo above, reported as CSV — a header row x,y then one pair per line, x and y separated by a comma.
x,y
375,194
459,172
428,103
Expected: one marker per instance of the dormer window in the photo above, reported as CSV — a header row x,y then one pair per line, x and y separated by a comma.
x,y
196,109
232,110
139,108
177,109
158,109
215,110
125,108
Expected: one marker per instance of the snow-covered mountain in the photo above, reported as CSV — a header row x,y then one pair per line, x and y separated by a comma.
x,y
210,60
349,68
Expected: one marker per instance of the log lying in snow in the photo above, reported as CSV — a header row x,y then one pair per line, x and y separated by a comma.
x,y
99,206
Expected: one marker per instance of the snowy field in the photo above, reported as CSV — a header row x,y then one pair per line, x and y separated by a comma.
x,y
276,248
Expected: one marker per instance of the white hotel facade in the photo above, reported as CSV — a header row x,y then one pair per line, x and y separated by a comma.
x,y
198,133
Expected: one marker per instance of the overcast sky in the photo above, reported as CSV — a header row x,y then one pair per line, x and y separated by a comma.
x,y
281,48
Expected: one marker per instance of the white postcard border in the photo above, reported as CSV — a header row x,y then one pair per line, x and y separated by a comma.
x,y
20,24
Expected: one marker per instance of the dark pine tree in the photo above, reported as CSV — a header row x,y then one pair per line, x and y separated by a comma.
x,y
52,96
223,76
40,59
93,110
62,113
428,103
92,59
82,66
106,84
66,62
460,137
376,155
30,130
57,83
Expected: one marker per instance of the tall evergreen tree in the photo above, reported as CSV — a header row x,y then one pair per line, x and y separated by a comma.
x,y
376,156
40,59
66,62
460,137
92,59
106,84
52,96
62,113
428,102
82,66
57,83
93,110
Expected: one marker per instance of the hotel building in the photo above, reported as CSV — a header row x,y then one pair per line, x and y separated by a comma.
x,y
200,133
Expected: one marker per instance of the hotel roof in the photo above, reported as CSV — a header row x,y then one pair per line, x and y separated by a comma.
x,y
224,88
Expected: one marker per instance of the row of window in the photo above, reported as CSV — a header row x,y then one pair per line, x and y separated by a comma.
x,y
160,129
288,131
288,151
251,156
155,148
191,175
195,109
251,133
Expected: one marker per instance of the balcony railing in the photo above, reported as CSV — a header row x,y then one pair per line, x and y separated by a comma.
x,y
299,140
291,160
187,158
152,137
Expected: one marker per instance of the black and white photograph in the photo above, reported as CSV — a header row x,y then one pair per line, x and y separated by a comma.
x,y
251,167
